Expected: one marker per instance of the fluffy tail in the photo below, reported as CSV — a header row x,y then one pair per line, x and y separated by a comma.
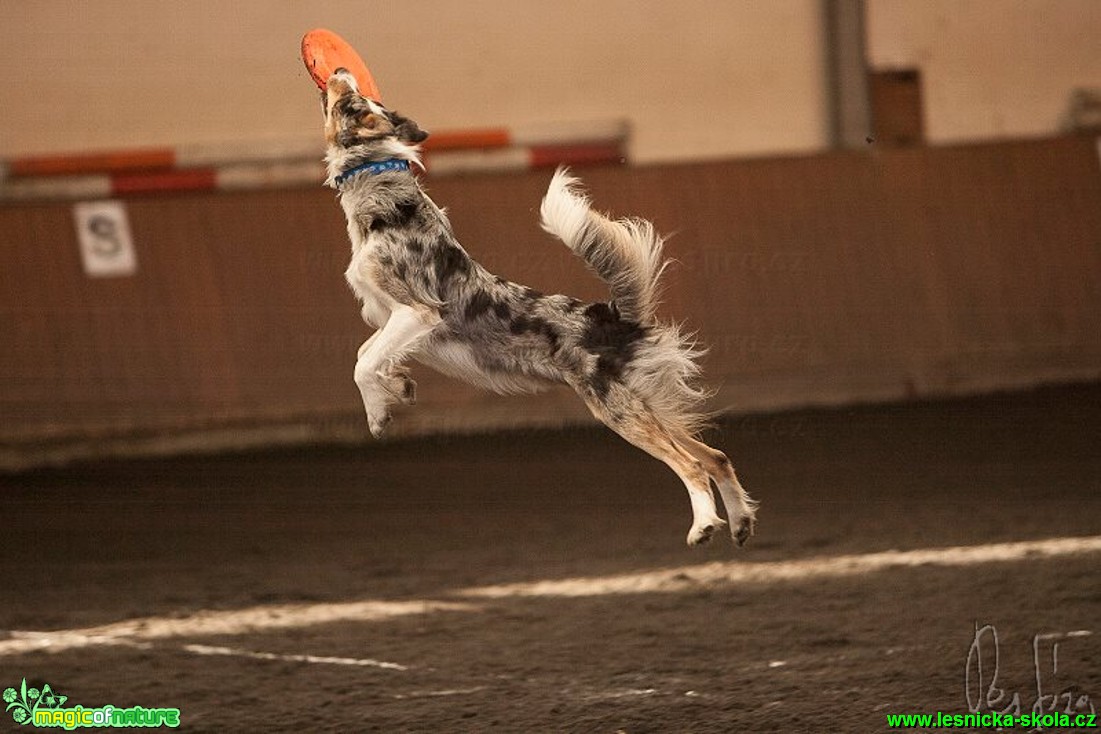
x,y
625,253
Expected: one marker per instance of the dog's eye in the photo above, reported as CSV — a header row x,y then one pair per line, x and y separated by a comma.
x,y
370,122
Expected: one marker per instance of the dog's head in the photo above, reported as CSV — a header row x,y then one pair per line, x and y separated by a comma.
x,y
358,129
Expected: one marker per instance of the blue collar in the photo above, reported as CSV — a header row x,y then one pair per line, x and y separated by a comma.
x,y
374,168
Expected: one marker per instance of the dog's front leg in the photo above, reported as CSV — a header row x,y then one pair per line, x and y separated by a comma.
x,y
378,368
396,379
363,347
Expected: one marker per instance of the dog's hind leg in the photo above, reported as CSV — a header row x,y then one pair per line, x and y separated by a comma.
x,y
631,419
378,373
741,509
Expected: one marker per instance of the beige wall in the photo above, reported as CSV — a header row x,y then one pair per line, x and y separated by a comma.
x,y
990,68
699,78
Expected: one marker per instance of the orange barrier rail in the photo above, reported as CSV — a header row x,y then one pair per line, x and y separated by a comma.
x,y
267,164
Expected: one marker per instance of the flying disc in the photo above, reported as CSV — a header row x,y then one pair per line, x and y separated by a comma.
x,y
324,52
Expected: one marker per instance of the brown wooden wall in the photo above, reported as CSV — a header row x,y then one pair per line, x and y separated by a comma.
x,y
814,280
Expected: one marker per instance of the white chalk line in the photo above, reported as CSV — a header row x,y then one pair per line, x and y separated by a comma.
x,y
212,623
317,659
727,573
669,580
237,652
443,693
621,693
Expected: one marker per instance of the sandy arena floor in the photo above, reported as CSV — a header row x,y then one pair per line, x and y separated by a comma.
x,y
393,587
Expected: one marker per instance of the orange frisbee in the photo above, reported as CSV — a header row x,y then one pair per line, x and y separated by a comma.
x,y
324,52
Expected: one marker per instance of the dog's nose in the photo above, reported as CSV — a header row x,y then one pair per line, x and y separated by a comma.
x,y
345,77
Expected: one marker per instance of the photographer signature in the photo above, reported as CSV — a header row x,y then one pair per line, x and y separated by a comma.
x,y
981,677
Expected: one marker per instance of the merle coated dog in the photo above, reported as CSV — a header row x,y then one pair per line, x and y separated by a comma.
x,y
430,302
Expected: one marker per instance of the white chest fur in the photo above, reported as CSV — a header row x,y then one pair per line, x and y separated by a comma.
x,y
362,274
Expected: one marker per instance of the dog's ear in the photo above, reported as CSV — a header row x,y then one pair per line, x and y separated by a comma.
x,y
407,130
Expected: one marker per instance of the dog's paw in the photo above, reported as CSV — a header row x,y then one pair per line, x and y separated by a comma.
x,y
702,533
409,392
743,530
405,390
378,422
400,386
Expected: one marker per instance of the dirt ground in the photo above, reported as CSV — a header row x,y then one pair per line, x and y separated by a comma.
x,y
421,520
